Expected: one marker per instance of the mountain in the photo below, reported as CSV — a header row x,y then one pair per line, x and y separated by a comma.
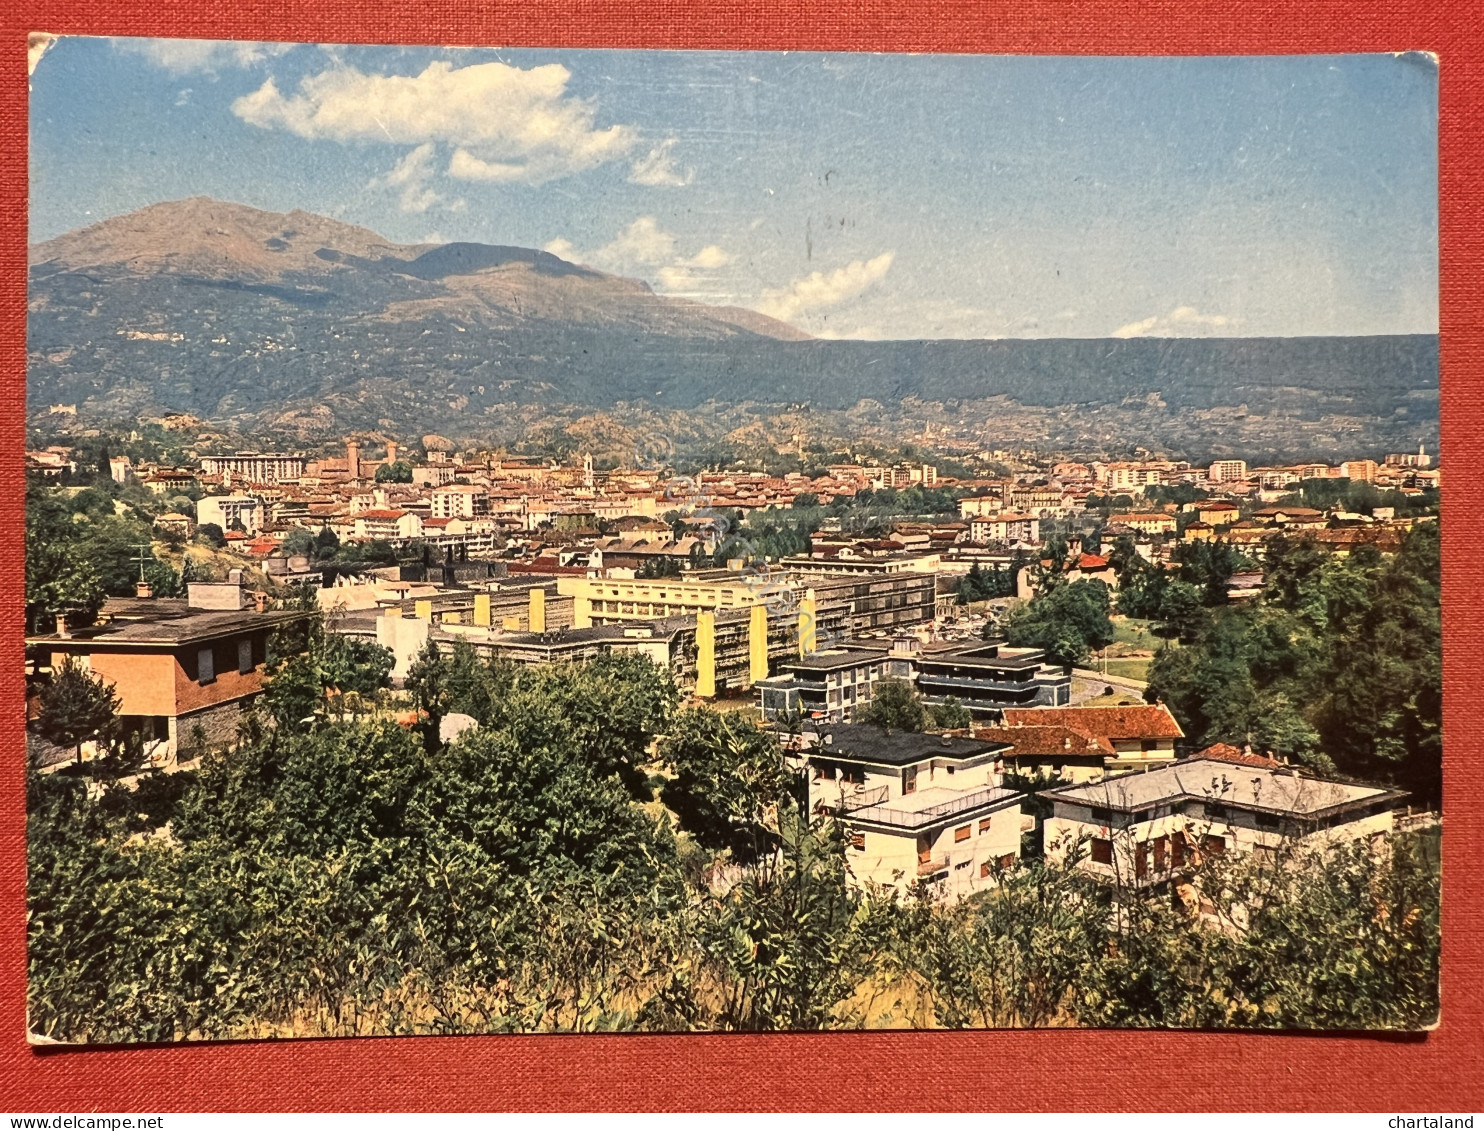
x,y
292,322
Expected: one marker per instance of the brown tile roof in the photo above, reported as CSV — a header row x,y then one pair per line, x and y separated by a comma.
x,y
1225,752
1102,722
1043,740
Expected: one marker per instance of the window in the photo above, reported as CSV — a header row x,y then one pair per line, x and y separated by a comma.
x,y
1104,815
1144,815
909,780
1267,821
205,666
961,833
1215,845
984,826
1215,810
1102,851
1148,744
961,865
1007,860
244,656
858,841
984,869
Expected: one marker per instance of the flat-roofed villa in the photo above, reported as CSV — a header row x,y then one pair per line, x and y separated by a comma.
x,y
1142,829
917,808
180,667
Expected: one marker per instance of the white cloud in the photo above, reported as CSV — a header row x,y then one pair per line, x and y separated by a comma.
x,y
657,168
639,248
642,244
1182,322
646,250
1136,329
709,258
504,124
411,175
564,249
820,291
184,56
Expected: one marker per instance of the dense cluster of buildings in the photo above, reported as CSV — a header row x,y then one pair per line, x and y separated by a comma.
x,y
539,563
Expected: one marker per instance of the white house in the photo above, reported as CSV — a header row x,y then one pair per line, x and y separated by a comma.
x,y
388,524
1007,527
916,808
1141,829
459,501
225,511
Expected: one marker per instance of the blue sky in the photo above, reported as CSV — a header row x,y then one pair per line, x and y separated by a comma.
x,y
878,196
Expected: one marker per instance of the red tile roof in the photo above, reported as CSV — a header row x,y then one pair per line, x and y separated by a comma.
x,y
1091,562
1224,752
1101,722
1044,740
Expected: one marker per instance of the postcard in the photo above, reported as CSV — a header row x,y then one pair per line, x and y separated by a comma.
x,y
565,540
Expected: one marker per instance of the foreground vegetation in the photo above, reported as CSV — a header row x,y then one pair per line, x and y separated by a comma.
x,y
596,857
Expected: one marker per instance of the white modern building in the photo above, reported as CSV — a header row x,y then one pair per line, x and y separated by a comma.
x,y
254,467
1142,829
916,808
229,511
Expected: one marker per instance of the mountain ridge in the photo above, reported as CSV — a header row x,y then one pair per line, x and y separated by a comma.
x,y
252,318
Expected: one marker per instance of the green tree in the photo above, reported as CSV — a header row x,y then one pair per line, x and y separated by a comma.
x,y
948,715
895,706
298,542
427,681
1180,610
398,472
729,780
1067,622
77,707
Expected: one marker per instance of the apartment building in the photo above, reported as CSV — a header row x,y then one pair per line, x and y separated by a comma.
x,y
254,467
831,686
917,809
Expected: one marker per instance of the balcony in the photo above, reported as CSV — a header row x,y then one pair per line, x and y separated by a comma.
x,y
916,817
927,680
927,869
856,798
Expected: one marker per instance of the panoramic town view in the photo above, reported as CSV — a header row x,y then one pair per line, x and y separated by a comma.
x,y
584,541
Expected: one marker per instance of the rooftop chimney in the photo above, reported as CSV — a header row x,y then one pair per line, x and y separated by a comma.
x,y
260,601
143,591
62,627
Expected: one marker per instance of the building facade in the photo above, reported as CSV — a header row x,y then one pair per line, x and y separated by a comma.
x,y
920,811
254,467
1149,828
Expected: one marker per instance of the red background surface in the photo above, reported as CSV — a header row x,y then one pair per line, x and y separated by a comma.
x,y
1056,1070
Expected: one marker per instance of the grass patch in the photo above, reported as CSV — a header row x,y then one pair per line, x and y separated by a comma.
x,y
1130,669
1136,633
